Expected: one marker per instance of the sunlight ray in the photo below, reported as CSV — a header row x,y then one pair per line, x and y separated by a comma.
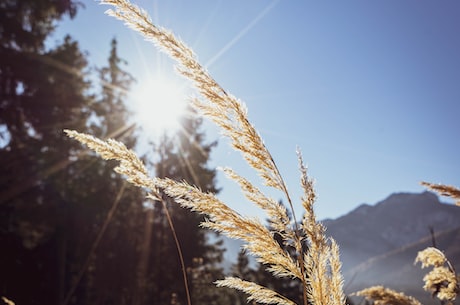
x,y
205,26
242,33
189,166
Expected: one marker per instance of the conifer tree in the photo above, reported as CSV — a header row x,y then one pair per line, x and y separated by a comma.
x,y
49,216
242,270
42,92
184,156
115,82
110,264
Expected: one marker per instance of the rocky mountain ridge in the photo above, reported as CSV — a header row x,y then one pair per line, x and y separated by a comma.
x,y
397,221
379,243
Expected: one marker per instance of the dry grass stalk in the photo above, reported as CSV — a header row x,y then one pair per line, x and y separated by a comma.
x,y
385,296
218,105
431,257
442,281
322,258
258,239
277,213
130,165
256,292
223,108
444,190
323,281
7,301
136,173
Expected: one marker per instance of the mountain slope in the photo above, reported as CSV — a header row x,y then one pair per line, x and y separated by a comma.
x,y
379,243
396,269
397,221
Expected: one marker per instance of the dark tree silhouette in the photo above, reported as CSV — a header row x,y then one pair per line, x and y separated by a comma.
x,y
183,156
71,230
55,199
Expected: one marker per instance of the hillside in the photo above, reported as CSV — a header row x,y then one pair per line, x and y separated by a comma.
x,y
396,269
379,242
398,220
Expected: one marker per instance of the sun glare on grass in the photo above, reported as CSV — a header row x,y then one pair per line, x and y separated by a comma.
x,y
158,104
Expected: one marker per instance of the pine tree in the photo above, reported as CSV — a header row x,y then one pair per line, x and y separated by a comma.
x,y
181,157
115,82
110,273
25,24
242,270
49,216
24,27
49,95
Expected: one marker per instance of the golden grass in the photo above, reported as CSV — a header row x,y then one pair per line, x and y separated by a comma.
x,y
256,292
385,296
445,190
7,301
318,267
442,281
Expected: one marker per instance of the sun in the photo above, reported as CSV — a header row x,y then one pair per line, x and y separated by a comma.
x,y
158,104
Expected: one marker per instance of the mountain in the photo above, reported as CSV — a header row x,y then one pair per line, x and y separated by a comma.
x,y
396,269
379,242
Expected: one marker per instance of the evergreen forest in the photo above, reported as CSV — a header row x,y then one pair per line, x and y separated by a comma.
x,y
71,230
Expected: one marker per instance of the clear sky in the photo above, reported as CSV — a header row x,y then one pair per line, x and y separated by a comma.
x,y
369,90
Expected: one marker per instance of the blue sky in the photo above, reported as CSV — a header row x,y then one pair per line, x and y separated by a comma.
x,y
369,90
